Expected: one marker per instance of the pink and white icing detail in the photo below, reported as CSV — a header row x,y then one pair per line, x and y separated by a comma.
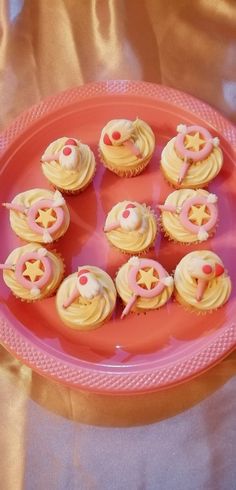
x,y
204,271
129,219
87,286
68,157
190,156
122,136
164,280
202,230
19,269
32,212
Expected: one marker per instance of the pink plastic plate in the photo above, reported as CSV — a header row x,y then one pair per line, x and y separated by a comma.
x,y
140,353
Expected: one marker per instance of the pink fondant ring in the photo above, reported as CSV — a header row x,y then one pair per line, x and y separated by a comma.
x,y
195,156
184,214
20,267
41,205
138,290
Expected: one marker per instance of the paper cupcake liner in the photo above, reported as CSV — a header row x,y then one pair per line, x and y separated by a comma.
x,y
128,173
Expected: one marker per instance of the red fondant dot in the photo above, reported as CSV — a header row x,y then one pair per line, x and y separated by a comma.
x,y
83,280
207,269
219,269
106,139
116,135
70,141
126,214
130,206
82,271
67,151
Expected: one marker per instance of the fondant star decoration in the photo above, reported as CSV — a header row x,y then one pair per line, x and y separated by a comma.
x,y
193,142
45,217
33,270
198,214
147,278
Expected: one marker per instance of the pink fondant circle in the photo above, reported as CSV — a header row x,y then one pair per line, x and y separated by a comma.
x,y
43,280
132,278
44,204
196,156
193,201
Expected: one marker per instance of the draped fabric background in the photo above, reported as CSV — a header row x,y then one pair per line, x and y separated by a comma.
x,y
52,437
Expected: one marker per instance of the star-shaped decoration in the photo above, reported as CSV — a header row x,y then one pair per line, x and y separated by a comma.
x,y
198,214
193,142
33,270
147,278
45,217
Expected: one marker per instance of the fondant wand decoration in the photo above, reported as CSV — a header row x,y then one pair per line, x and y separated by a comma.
x,y
149,273
129,219
128,143
68,156
44,217
204,272
197,215
87,286
193,144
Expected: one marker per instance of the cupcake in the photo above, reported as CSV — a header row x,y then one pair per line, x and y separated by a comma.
x,y
39,215
86,299
192,159
143,284
189,216
131,227
126,147
69,165
32,272
201,281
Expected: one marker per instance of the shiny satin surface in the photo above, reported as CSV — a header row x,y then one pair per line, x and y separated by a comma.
x,y
55,438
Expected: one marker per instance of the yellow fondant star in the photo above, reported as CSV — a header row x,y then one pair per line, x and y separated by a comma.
x,y
147,278
45,217
193,142
33,270
198,214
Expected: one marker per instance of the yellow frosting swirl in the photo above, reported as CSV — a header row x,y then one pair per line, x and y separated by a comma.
x,y
19,222
86,314
69,180
23,293
217,292
141,304
134,241
118,155
199,173
171,221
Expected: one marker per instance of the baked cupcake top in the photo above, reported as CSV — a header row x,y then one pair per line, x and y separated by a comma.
x,y
39,215
126,143
192,158
131,226
86,298
201,280
143,284
68,164
32,272
189,215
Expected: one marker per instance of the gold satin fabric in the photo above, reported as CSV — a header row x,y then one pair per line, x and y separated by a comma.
x,y
50,45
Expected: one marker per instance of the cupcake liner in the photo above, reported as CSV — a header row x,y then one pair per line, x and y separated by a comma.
x,y
128,173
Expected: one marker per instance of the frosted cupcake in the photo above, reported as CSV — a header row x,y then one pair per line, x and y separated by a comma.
x,y
32,272
201,281
143,284
189,216
192,159
69,165
131,227
126,147
39,215
86,299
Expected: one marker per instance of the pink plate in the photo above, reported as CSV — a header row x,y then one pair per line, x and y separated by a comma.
x,y
139,353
